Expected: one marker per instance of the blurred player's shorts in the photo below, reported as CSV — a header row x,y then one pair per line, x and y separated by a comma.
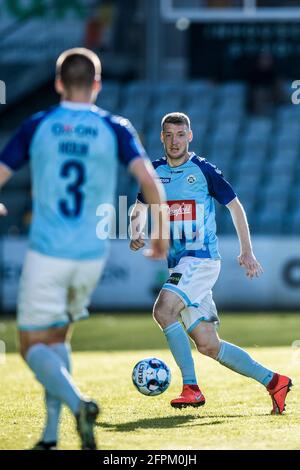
x,y
54,292
192,280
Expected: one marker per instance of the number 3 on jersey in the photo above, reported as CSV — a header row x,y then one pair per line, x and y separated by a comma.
x,y
75,171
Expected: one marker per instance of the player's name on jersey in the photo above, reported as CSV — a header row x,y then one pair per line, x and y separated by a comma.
x,y
74,148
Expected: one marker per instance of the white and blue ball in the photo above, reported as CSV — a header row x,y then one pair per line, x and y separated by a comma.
x,y
151,376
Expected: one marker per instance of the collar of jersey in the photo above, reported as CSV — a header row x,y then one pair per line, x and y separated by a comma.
x,y
76,106
182,164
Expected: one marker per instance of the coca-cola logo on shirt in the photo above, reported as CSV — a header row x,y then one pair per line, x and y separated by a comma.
x,y
181,210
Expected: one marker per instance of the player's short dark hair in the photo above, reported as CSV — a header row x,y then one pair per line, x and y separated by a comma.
x,y
176,118
78,68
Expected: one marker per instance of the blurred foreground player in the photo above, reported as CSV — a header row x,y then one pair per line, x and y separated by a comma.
x,y
73,150
191,183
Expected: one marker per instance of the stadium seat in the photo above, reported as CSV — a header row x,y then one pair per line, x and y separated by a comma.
x,y
288,113
249,165
229,129
259,125
137,94
269,221
286,154
286,141
292,225
198,91
109,96
201,107
281,164
228,111
218,153
253,153
279,180
136,118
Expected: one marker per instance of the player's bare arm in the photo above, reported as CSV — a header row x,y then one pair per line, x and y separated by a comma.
x,y
5,174
246,258
155,196
138,219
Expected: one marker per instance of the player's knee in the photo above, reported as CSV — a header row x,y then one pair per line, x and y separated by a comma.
x,y
161,314
208,348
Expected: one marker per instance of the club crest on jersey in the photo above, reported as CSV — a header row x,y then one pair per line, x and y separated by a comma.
x,y
191,179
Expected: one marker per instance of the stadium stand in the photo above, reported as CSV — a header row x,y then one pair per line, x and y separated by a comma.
x,y
259,155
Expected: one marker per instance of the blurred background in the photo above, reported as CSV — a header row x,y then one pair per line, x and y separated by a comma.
x,y
231,65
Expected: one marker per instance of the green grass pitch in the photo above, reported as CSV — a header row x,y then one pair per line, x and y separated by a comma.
x,y
106,347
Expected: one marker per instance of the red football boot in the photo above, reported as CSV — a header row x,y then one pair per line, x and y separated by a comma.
x,y
191,395
278,388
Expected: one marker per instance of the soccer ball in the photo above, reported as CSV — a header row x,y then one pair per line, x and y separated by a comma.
x,y
151,376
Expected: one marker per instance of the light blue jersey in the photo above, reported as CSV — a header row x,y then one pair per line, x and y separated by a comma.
x,y
191,189
74,150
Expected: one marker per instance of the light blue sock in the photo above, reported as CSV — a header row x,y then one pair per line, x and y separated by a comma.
x,y
181,349
53,405
53,375
237,359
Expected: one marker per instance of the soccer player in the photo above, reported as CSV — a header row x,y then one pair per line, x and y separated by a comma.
x,y
191,185
73,149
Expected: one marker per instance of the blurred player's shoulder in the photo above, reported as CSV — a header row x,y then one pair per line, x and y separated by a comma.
x,y
31,122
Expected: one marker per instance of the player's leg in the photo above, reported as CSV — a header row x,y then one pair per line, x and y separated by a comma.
x,y
39,349
191,280
85,276
166,312
208,343
43,321
53,404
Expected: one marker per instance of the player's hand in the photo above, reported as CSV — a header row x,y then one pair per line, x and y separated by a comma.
x,y
3,210
250,263
139,243
158,250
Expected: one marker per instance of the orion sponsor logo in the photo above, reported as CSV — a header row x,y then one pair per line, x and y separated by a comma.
x,y
78,131
2,92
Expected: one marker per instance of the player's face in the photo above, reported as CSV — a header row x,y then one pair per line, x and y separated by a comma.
x,y
176,139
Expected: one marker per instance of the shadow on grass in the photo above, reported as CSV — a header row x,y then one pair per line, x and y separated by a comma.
x,y
173,422
155,423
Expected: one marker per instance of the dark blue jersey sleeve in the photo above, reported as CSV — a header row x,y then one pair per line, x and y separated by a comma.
x,y
129,145
16,152
218,187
